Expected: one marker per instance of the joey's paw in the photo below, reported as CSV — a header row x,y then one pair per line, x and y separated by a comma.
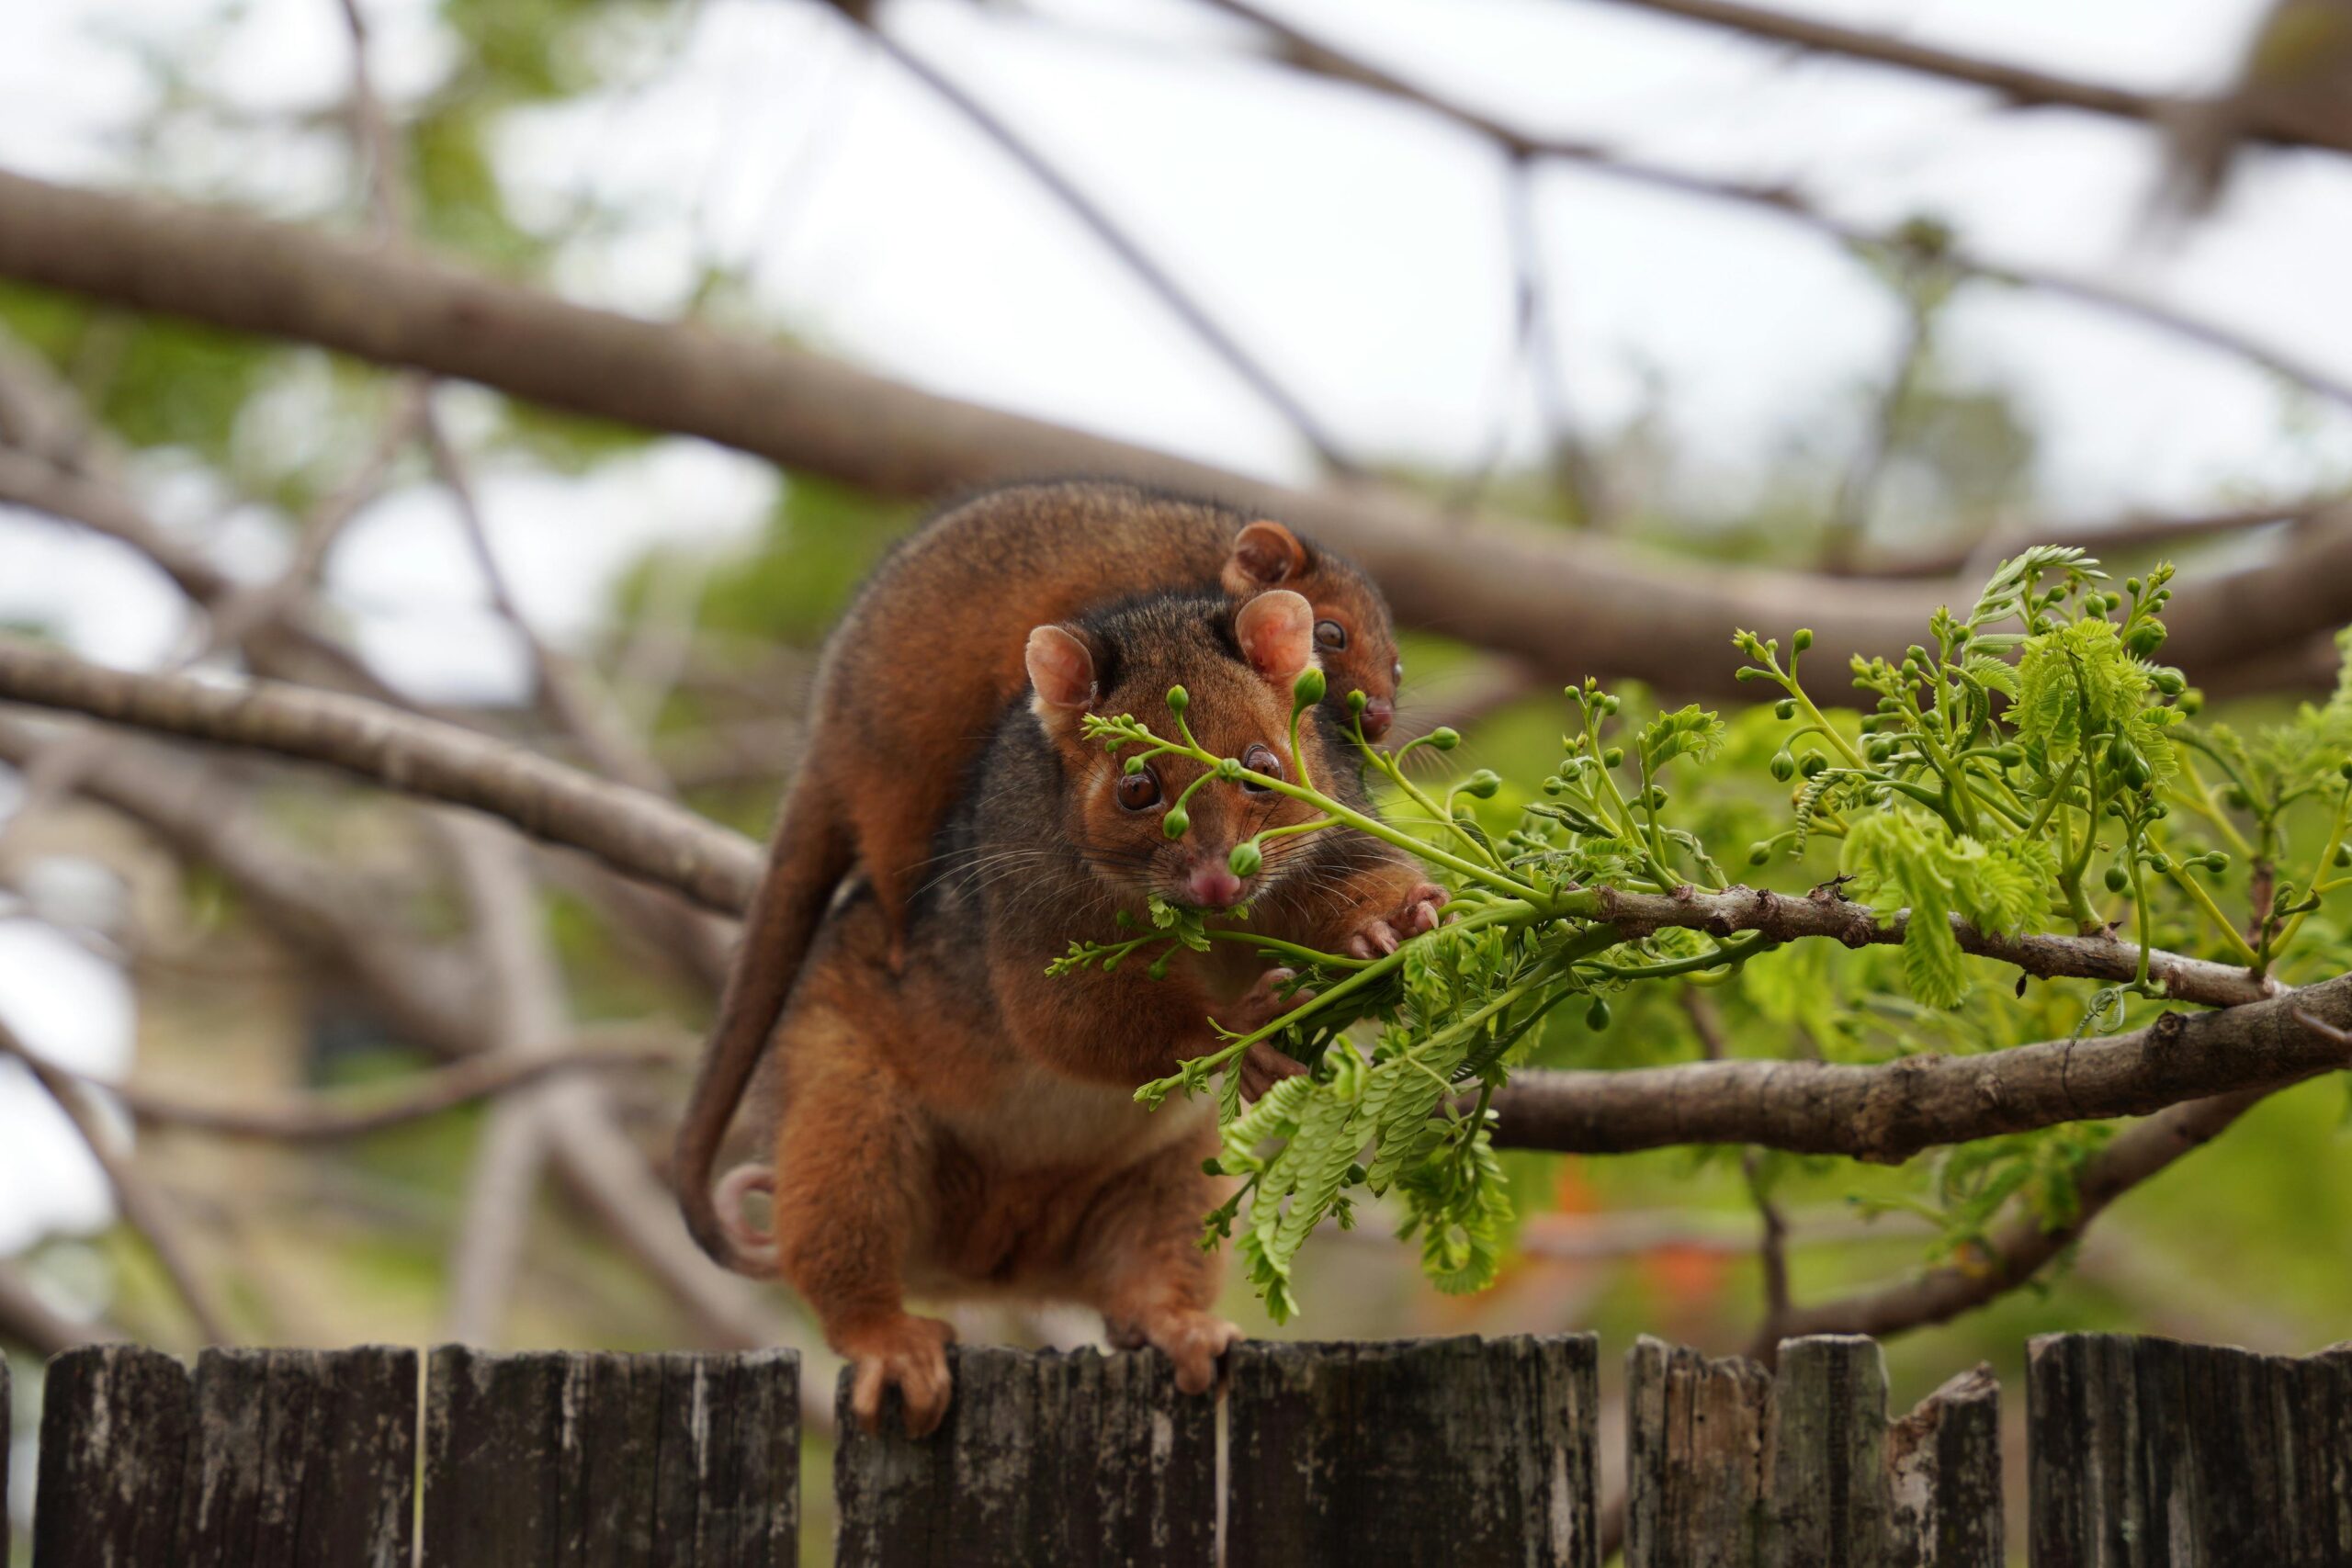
x,y
1379,937
1262,1068
909,1354
1195,1341
1263,1003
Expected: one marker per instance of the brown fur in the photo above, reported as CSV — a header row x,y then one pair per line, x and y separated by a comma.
x,y
961,1124
910,687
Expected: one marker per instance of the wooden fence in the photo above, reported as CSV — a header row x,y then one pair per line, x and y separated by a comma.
x,y
1453,1451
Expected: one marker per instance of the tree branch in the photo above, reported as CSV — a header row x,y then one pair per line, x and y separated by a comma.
x,y
1891,1111
141,1208
627,828
335,1118
2024,1248
31,1322
1122,245
1569,603
2020,85
1306,53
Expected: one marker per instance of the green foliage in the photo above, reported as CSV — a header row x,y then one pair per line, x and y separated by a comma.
x,y
2018,773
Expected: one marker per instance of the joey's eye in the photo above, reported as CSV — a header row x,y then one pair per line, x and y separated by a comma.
x,y
1397,671
1330,635
1259,760
1139,792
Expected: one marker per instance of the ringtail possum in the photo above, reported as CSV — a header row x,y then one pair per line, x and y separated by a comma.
x,y
913,679
961,1124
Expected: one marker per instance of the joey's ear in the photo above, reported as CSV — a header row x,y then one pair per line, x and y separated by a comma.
x,y
1263,555
1276,631
1061,672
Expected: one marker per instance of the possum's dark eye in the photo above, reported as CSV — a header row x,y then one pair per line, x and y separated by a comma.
x,y
1139,792
1259,760
1397,671
1330,635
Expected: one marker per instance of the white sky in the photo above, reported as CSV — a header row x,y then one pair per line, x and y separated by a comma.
x,y
1356,243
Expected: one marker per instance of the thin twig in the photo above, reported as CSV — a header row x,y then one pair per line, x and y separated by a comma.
x,y
2022,85
1126,247
1306,53
141,1207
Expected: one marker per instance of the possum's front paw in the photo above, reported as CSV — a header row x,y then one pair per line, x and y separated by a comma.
x,y
1193,1340
907,1353
1379,937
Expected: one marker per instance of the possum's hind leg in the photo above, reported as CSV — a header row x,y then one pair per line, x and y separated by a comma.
x,y
1142,1265
850,1166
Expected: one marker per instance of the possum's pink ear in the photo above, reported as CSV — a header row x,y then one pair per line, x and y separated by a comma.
x,y
1276,632
1061,671
1263,555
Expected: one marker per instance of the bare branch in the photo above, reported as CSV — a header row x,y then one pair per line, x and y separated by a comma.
x,y
1890,1112
140,1207
2024,1248
1130,252
1569,603
2020,84
627,828
27,1320
335,1118
1310,54
2103,536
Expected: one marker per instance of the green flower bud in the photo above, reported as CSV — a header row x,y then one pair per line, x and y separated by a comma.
x,y
2136,772
1357,702
1445,738
2145,639
2170,681
2236,798
2216,861
2343,854
1785,708
2117,879
1358,1174
1915,654
1308,689
1880,747
1175,822
1134,765
1229,768
1482,784
1613,757
1813,764
1158,970
1125,921
2009,756
1758,853
2161,863
1783,766
2344,773
1657,798
1804,640
1210,1167
1179,699
2190,702
1246,858
1596,1017
2132,586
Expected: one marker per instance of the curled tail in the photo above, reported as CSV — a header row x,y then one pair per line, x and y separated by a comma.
x,y
810,855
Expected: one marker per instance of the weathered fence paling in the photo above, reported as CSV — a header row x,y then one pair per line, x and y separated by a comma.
x,y
1080,1459
2150,1451
595,1461
1729,1466
1462,1452
257,1459
1436,1450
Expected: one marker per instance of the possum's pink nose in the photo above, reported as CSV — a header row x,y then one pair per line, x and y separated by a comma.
x,y
1378,715
1212,887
